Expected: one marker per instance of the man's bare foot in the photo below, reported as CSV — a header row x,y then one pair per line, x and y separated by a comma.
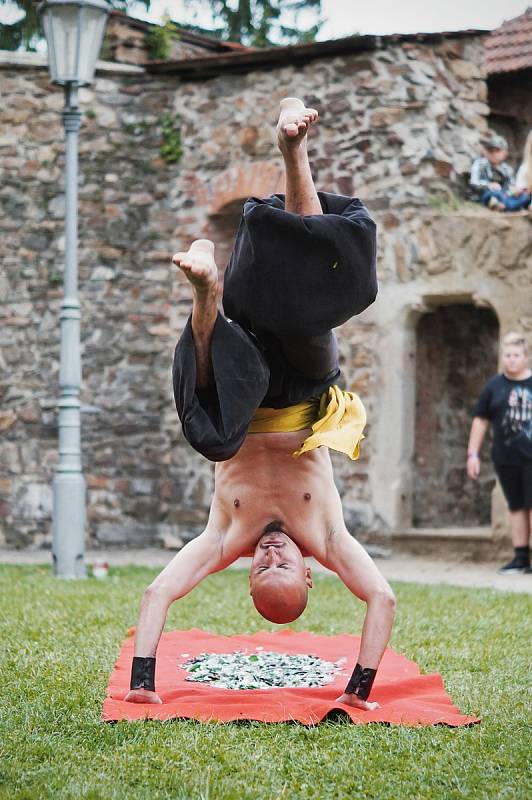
x,y
356,702
294,121
142,696
199,266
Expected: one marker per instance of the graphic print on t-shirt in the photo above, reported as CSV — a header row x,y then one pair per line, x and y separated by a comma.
x,y
517,419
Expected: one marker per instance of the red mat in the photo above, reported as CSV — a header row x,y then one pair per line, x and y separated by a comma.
x,y
406,697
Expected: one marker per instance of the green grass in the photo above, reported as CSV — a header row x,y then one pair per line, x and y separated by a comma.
x,y
59,641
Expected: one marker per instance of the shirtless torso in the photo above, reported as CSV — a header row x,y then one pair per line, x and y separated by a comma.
x,y
263,483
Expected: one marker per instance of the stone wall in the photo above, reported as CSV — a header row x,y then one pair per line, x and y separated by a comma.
x,y
398,127
140,480
435,259
127,41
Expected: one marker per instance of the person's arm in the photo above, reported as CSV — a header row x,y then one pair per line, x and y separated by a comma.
x,y
354,567
479,427
194,562
481,419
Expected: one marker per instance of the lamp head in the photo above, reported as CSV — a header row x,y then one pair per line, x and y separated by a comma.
x,y
74,31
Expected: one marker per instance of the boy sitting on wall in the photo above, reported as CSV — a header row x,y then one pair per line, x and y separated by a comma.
x,y
492,177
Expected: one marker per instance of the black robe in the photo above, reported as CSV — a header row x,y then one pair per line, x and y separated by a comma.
x,y
290,280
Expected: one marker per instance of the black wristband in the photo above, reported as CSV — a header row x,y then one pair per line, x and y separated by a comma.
x,y
143,674
360,682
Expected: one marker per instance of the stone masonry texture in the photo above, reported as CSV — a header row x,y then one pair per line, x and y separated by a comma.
x,y
398,128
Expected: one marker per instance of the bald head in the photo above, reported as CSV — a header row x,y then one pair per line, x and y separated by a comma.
x,y
279,578
279,603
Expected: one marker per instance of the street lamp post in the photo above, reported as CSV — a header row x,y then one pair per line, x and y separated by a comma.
x,y
74,32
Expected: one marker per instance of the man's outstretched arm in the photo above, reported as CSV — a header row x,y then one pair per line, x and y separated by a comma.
x,y
194,562
358,572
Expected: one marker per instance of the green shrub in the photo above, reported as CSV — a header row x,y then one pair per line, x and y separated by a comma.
x,y
159,39
55,278
171,149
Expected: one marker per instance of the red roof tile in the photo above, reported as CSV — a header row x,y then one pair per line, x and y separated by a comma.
x,y
509,48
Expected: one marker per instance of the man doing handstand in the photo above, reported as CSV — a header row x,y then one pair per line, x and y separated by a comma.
x,y
255,390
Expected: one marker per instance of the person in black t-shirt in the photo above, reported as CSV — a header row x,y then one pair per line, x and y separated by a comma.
x,y
506,402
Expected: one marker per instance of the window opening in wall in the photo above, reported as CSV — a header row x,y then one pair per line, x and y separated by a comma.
x,y
457,348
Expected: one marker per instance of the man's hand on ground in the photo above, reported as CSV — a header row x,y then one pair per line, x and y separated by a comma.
x,y
356,702
142,696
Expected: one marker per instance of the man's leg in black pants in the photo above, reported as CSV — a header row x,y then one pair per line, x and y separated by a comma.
x,y
200,268
294,121
318,356
198,262
314,357
219,373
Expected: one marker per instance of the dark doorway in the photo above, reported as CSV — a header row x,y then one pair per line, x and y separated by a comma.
x,y
510,103
456,354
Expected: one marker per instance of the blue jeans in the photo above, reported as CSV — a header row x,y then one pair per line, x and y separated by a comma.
x,y
510,202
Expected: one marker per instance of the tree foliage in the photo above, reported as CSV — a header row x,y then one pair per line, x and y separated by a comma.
x,y
26,32
261,23
258,23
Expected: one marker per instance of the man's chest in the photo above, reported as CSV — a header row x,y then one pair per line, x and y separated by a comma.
x,y
264,483
305,511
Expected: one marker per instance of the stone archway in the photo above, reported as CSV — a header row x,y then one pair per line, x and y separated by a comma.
x,y
222,228
456,352
257,178
225,195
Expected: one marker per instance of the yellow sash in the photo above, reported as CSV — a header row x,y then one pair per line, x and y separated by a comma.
x,y
337,420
